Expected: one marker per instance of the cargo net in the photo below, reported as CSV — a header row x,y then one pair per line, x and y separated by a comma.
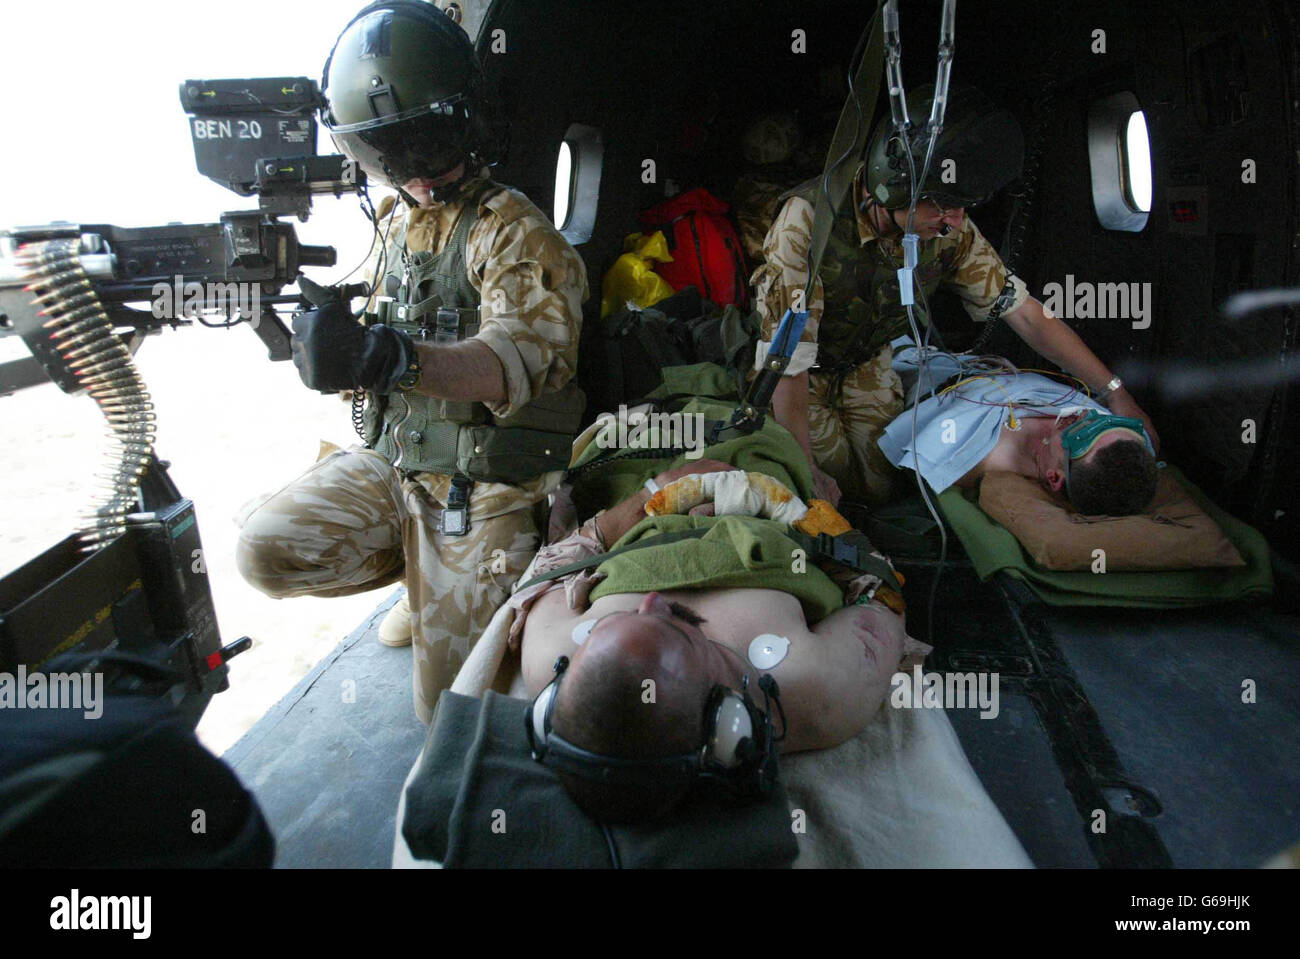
x,y
81,332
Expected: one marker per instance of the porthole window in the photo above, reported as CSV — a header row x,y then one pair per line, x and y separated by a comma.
x,y
563,186
1137,163
1119,155
578,166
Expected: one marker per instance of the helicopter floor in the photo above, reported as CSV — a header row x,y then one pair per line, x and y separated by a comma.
x,y
326,763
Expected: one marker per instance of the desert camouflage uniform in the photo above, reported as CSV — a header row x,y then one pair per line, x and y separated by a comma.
x,y
755,201
354,523
778,156
854,312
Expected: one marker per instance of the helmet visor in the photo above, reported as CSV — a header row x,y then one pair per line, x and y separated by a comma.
x,y
426,143
952,201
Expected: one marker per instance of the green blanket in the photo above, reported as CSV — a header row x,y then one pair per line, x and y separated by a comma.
x,y
737,552
771,450
994,549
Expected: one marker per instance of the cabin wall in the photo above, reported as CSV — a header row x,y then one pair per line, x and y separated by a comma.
x,y
678,83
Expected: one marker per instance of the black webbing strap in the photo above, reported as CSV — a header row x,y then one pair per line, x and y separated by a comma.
x,y
906,535
851,549
617,454
866,89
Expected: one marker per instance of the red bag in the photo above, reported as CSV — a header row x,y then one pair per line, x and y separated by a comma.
x,y
704,245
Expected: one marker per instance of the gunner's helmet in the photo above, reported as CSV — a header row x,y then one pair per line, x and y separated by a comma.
x,y
404,93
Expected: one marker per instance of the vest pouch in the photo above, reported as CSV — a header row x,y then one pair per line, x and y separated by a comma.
x,y
419,441
455,411
495,454
559,411
424,264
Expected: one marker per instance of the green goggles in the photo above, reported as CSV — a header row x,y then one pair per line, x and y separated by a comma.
x,y
1081,436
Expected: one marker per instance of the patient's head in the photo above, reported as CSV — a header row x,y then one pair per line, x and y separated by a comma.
x,y
606,704
1116,477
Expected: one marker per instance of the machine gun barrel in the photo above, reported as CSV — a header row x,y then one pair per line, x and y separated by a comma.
x,y
147,278
316,255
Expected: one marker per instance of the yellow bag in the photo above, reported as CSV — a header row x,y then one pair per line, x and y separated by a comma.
x,y
632,278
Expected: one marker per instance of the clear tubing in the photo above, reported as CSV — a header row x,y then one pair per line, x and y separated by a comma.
x,y
947,43
894,69
894,77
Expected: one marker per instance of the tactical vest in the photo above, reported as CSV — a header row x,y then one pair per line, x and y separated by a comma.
x,y
862,311
434,300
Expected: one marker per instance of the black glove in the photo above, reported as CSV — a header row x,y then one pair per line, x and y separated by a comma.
x,y
332,351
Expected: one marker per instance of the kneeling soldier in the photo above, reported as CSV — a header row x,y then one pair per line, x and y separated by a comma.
x,y
469,407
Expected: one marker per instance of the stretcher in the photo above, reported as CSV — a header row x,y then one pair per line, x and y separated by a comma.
x,y
993,549
901,794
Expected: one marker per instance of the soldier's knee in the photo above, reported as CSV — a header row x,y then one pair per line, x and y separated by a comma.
x,y
266,563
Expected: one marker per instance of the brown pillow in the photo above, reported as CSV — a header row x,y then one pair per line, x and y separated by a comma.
x,y
1173,533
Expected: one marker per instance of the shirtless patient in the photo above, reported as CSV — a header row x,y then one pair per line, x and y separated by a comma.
x,y
832,680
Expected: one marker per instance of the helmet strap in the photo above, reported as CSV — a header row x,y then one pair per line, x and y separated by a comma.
x,y
409,200
870,205
447,191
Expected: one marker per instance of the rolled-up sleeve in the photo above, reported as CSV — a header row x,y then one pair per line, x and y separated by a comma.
x,y
779,283
533,285
980,277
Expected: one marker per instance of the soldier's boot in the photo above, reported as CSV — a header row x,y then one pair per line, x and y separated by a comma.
x,y
396,628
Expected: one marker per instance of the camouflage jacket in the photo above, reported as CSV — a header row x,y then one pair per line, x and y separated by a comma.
x,y
532,285
755,200
854,306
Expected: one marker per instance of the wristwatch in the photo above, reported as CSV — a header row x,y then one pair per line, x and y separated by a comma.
x,y
1115,384
411,377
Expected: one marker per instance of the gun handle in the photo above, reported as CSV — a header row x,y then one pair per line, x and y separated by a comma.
x,y
272,331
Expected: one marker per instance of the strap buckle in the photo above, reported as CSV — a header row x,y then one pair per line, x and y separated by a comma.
x,y
447,328
455,518
854,550
1003,302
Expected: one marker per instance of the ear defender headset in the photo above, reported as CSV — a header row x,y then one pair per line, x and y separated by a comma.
x,y
738,752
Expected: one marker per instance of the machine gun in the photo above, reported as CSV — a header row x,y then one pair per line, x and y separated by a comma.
x,y
255,137
131,583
